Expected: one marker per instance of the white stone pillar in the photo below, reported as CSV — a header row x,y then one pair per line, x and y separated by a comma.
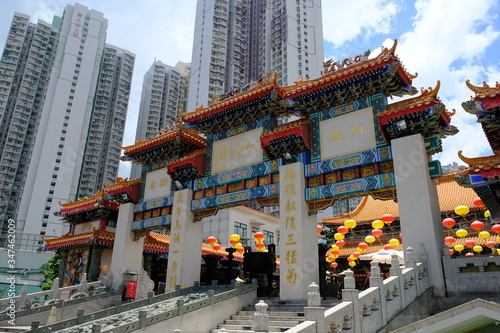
x,y
418,203
186,236
299,235
127,252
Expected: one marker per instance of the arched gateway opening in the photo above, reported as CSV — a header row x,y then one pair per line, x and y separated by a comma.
x,y
346,141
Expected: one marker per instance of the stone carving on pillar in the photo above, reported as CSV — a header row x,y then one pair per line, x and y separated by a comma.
x,y
23,296
55,289
83,284
144,285
95,264
261,317
395,270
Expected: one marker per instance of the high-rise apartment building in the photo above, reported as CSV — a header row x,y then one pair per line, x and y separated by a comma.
x,y
164,94
101,158
61,111
239,41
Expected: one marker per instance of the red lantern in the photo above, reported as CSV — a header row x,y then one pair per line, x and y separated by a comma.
x,y
451,252
217,247
343,230
356,254
319,229
449,240
258,235
496,228
377,232
335,252
340,243
478,202
387,218
448,222
363,246
490,244
260,245
388,247
211,240
470,243
477,225
241,250
470,254
234,242
334,264
351,259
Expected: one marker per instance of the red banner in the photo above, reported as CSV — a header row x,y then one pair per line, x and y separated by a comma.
x,y
131,289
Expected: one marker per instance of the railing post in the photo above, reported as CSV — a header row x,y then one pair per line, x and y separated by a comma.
x,y
211,296
79,316
34,326
351,294
142,319
180,305
84,288
23,296
314,311
151,297
410,262
396,271
377,281
261,317
55,289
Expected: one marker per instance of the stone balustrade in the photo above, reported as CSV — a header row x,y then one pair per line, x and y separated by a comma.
x,y
370,310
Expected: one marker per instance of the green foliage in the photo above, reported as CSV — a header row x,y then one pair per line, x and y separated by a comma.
x,y
51,268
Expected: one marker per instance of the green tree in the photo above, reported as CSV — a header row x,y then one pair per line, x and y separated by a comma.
x,y
51,268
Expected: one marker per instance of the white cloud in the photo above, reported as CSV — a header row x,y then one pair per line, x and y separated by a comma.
x,y
346,20
447,40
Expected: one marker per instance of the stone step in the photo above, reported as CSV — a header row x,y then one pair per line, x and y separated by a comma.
x,y
272,313
277,330
246,322
281,317
247,328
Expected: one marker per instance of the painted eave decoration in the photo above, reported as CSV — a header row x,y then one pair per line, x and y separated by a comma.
x,y
290,137
175,140
424,114
188,167
100,237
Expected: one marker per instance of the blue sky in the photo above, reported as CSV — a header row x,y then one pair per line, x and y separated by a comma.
x,y
442,40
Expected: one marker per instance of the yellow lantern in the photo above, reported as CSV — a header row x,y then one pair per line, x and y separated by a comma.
x,y
235,237
462,233
459,247
338,236
352,263
377,224
261,249
329,259
487,213
484,234
350,224
360,250
352,257
238,246
477,248
369,239
394,242
462,210
498,252
334,256
335,248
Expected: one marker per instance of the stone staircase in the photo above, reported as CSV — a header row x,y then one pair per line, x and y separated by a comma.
x,y
283,315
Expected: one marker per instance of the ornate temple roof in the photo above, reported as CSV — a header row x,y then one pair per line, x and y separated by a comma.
x,y
160,243
482,163
175,140
485,91
101,237
450,196
346,71
222,103
99,199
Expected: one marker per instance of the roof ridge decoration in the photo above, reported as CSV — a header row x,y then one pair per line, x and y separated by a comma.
x,y
427,96
482,162
121,183
335,70
269,81
485,90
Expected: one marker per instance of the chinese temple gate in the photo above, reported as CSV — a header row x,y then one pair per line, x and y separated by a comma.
x,y
347,141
